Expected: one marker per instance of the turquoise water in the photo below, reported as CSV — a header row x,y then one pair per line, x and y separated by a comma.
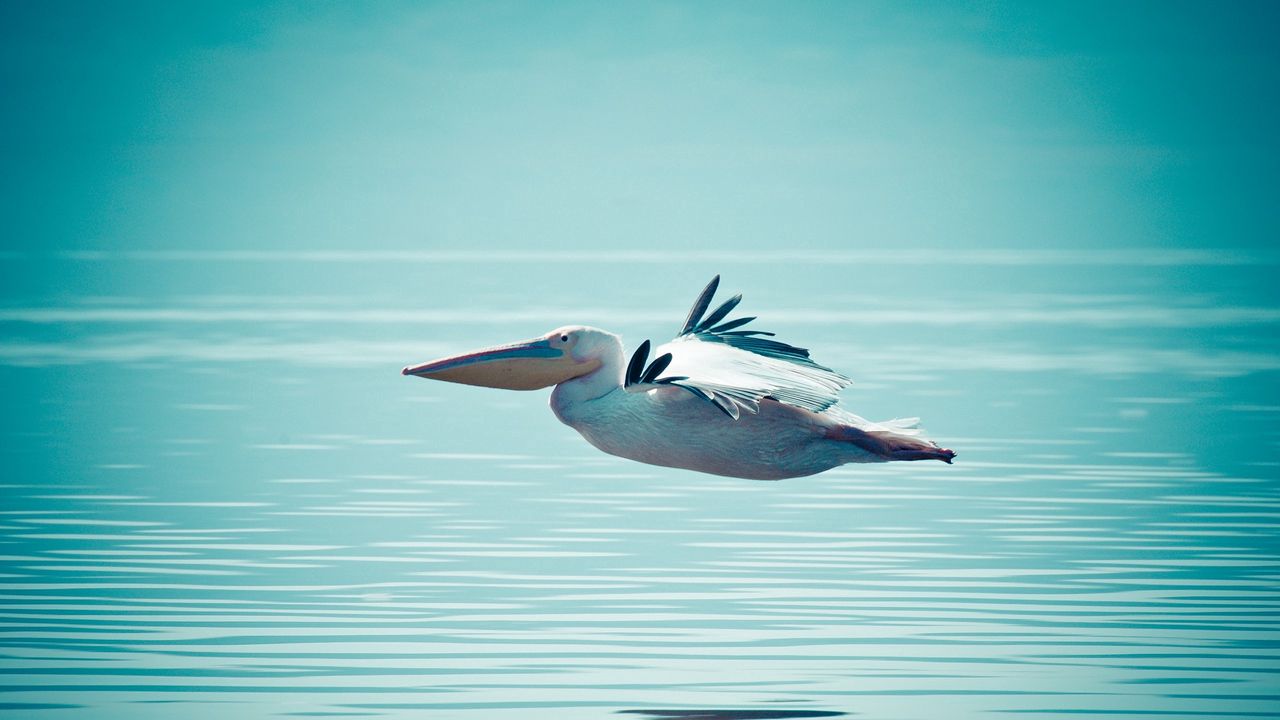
x,y
221,499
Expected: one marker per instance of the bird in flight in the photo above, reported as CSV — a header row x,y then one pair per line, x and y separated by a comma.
x,y
717,399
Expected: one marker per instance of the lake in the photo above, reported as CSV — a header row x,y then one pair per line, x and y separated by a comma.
x,y
221,498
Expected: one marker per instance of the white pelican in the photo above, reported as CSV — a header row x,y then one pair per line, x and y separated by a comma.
x,y
716,399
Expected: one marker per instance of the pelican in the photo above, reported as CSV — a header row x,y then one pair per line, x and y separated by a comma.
x,y
717,399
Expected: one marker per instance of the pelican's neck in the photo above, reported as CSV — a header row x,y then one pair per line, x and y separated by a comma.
x,y
571,394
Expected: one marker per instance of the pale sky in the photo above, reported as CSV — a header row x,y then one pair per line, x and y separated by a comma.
x,y
822,126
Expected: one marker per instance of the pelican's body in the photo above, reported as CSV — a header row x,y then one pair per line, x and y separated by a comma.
x,y
715,400
673,428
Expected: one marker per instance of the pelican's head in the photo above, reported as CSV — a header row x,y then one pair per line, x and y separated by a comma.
x,y
561,355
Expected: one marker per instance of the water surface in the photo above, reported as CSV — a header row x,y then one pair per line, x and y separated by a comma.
x,y
220,498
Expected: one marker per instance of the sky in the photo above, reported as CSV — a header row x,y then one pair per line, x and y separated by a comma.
x,y
581,125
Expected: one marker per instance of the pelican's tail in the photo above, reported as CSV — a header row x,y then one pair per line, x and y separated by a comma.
x,y
891,440
901,447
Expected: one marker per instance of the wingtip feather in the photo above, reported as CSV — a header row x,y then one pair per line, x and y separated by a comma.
x,y
700,305
636,367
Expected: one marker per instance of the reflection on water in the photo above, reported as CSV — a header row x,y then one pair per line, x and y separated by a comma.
x,y
251,512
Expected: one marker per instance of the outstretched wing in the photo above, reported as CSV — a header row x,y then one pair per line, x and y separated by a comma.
x,y
731,368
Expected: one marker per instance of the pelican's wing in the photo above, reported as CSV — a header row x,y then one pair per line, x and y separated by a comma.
x,y
734,369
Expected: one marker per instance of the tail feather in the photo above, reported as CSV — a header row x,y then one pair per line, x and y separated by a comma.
x,y
901,426
888,441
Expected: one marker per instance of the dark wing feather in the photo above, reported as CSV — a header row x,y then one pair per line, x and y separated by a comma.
x,y
700,305
765,347
638,374
636,366
719,314
733,324
656,367
748,340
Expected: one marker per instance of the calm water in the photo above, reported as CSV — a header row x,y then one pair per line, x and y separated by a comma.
x,y
221,499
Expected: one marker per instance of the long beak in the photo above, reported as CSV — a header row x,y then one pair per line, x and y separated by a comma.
x,y
526,365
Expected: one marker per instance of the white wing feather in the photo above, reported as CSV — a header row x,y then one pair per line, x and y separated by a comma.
x,y
717,370
734,369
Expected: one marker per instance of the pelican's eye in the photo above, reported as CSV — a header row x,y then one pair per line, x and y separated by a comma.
x,y
564,338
